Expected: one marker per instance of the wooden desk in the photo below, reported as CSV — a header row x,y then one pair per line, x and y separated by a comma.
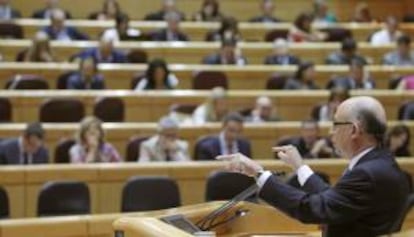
x,y
106,181
149,106
193,52
251,77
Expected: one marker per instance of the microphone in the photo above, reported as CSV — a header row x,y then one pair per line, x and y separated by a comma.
x,y
207,222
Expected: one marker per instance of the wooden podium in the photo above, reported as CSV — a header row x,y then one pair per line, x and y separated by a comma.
x,y
260,220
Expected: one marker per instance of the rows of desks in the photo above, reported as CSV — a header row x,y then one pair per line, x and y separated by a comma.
x,y
262,137
106,181
193,52
197,31
250,77
149,106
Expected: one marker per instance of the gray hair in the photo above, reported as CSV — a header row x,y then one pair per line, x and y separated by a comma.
x,y
167,123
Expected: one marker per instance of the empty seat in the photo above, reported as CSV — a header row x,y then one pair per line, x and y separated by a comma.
x,y
61,110
27,82
277,33
109,109
276,81
5,110
137,56
337,34
206,80
144,193
226,185
4,204
133,147
62,150
57,198
11,30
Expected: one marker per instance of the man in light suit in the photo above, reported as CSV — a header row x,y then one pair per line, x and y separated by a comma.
x,y
368,198
27,149
227,142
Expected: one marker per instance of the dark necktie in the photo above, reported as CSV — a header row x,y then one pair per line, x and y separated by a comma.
x,y
25,158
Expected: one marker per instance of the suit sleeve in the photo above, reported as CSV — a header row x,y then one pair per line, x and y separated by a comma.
x,y
350,198
203,153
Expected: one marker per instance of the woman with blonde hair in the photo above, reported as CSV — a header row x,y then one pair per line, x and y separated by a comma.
x,y
213,109
91,146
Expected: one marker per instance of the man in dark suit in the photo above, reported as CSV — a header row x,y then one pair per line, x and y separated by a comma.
x,y
172,32
228,54
349,52
167,6
27,149
46,12
57,29
104,53
267,8
366,200
358,78
281,55
227,142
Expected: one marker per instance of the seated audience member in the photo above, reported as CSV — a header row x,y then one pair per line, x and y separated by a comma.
x,y
7,12
281,55
325,112
167,7
229,141
229,54
165,146
263,111
210,12
121,31
40,50
304,78
398,140
58,31
213,109
157,77
110,9
45,13
302,31
387,35
321,12
267,7
172,32
403,55
26,149
229,29
346,55
358,78
104,53
310,144
87,77
362,13
91,146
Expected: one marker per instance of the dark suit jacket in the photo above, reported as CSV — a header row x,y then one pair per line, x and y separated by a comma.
x,y
215,59
365,201
209,148
72,32
116,57
282,60
264,19
40,14
161,35
10,153
75,81
347,83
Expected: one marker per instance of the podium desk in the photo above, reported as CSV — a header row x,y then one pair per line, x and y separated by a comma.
x,y
260,220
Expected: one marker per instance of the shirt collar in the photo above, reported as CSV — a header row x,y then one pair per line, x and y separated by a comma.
x,y
358,157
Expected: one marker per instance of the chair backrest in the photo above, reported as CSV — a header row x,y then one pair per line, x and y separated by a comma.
x,y
11,30
5,110
133,147
136,79
62,80
206,80
27,82
62,150
61,110
277,33
109,109
58,198
276,81
337,34
315,112
183,108
4,204
406,111
137,56
226,185
145,193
